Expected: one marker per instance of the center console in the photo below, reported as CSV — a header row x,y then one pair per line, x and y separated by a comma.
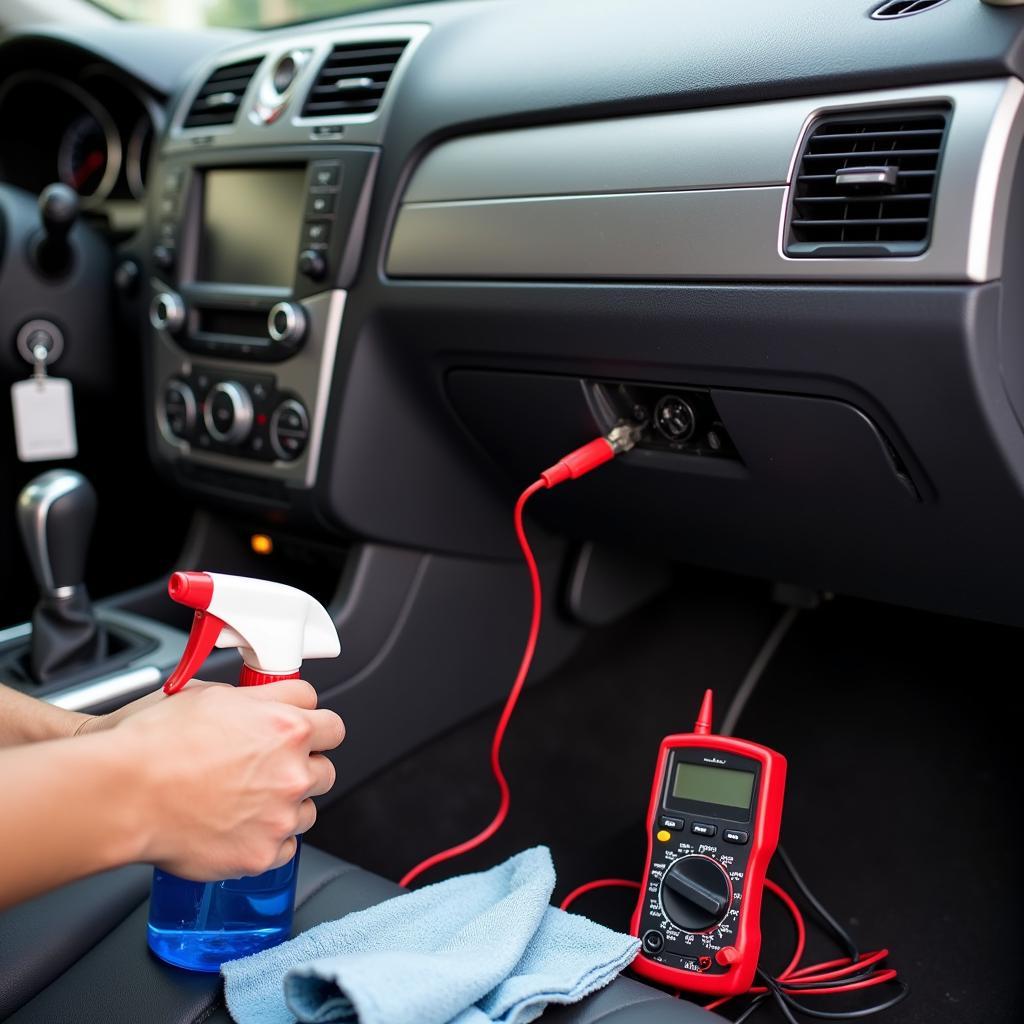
x,y
256,216
246,305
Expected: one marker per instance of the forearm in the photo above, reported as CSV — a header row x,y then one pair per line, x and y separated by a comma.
x,y
25,719
69,808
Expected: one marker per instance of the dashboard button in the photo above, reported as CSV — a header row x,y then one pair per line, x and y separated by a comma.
x,y
325,175
321,204
317,232
173,179
163,256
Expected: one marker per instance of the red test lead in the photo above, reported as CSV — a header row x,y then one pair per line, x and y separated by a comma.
x,y
572,466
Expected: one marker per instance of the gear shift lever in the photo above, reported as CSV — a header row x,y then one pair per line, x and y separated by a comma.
x,y
56,512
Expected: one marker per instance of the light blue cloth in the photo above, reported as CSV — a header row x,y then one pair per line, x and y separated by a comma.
x,y
473,949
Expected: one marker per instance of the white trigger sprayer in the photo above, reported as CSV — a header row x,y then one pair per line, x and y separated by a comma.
x,y
274,627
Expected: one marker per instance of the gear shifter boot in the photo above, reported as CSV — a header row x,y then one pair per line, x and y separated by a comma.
x,y
65,635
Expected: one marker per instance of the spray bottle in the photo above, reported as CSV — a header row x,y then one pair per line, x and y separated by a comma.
x,y
200,925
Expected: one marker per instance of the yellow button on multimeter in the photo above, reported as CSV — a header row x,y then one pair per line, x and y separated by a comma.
x,y
663,835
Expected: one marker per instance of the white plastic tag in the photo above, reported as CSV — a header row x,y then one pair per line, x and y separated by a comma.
x,y
44,419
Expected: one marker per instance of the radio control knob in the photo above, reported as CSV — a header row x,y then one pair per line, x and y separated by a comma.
x,y
312,264
227,412
167,312
695,893
286,324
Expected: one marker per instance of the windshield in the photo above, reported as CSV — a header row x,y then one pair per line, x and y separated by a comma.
x,y
233,13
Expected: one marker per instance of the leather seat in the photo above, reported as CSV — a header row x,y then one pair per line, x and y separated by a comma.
x,y
79,954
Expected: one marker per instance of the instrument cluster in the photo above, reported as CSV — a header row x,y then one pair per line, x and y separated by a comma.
x,y
93,132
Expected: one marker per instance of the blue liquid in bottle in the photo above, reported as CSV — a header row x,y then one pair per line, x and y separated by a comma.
x,y
201,925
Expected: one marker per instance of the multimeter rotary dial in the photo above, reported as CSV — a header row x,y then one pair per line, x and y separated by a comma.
x,y
695,893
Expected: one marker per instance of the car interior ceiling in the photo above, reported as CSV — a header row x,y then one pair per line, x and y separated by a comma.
x,y
330,295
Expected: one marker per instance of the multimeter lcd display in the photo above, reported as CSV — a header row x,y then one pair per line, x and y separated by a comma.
x,y
724,786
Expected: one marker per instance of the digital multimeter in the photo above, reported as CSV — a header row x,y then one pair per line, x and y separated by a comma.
x,y
712,827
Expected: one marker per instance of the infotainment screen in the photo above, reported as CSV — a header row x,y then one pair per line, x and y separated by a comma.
x,y
252,219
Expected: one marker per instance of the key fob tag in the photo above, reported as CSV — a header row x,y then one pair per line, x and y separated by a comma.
x,y
44,419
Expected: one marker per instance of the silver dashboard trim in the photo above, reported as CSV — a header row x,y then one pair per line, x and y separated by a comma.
x,y
692,196
134,679
308,374
107,690
290,128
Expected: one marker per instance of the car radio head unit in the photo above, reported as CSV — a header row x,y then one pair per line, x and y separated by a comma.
x,y
251,255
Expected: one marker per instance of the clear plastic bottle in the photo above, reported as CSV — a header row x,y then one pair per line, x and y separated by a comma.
x,y
201,925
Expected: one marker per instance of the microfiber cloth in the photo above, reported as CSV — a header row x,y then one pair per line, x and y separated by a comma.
x,y
473,949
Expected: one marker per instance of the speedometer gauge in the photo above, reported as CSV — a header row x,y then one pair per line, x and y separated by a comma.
x,y
89,158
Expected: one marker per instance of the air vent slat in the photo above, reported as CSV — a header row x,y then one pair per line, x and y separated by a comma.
x,y
220,96
865,184
337,92
856,154
905,197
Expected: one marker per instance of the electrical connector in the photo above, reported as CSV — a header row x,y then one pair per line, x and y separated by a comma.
x,y
623,437
618,440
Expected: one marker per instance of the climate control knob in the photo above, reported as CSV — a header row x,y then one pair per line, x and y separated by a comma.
x,y
695,893
227,412
167,312
286,324
289,429
179,408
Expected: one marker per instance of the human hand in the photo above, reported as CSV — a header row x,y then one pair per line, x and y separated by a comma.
x,y
224,776
97,723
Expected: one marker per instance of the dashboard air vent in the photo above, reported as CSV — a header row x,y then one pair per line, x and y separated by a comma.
x,y
217,102
865,184
352,79
903,8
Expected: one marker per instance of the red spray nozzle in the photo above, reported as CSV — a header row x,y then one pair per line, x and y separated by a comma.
x,y
703,724
192,589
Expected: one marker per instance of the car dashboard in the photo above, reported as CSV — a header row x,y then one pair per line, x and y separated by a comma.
x,y
393,264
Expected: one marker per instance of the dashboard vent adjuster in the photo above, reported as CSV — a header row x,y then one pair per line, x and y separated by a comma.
x,y
217,102
865,184
353,78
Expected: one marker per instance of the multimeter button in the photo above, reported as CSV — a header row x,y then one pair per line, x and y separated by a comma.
x,y
675,824
727,956
663,836
700,828
730,835
654,941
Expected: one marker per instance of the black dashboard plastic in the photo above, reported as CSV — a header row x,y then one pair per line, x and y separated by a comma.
x,y
920,364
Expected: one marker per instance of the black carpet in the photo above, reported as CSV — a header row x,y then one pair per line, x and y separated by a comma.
x,y
902,803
